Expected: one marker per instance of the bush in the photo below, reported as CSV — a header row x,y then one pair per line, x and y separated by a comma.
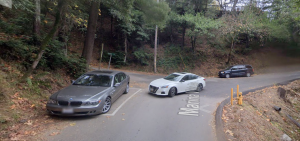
x,y
142,57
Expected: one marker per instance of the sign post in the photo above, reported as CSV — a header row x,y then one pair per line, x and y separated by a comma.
x,y
111,54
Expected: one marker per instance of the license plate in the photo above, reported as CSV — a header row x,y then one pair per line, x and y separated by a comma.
x,y
67,111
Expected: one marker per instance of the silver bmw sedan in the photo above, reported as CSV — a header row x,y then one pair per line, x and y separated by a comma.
x,y
91,94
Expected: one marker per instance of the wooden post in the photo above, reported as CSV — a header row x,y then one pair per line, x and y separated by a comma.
x,y
101,56
109,60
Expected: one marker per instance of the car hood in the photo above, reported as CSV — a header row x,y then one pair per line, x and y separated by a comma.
x,y
76,92
161,82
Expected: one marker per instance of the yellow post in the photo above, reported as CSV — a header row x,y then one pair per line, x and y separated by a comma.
x,y
231,100
237,90
241,98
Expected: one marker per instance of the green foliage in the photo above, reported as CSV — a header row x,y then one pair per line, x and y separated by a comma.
x,y
142,57
16,26
75,66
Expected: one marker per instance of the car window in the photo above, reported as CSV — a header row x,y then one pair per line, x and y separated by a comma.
x,y
185,78
121,77
192,77
173,77
241,67
234,68
94,80
116,79
249,67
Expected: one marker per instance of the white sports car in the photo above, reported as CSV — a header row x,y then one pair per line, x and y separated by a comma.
x,y
177,82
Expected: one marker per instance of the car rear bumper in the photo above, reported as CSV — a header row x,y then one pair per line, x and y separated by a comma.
x,y
73,111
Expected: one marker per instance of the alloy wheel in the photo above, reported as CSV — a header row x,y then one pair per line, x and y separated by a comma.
x,y
248,74
172,92
107,105
199,87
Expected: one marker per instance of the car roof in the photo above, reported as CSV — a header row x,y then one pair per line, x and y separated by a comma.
x,y
104,72
182,73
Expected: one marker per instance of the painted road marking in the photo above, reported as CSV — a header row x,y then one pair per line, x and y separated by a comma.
x,y
202,108
192,107
122,104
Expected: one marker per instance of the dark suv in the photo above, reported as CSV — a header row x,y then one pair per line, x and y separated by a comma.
x,y
237,70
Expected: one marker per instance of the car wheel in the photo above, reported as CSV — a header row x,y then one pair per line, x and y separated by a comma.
x,y
199,87
127,89
107,105
172,92
248,74
227,75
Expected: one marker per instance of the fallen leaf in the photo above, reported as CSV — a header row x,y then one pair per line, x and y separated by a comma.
x,y
123,119
29,122
53,133
72,124
229,132
32,106
123,113
13,107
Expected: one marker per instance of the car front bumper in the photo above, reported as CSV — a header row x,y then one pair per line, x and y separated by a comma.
x,y
74,111
158,91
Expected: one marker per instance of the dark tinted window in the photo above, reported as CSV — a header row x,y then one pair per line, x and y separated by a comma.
x,y
172,77
94,80
192,77
249,67
185,78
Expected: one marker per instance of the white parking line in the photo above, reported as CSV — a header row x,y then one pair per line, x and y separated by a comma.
x,y
122,104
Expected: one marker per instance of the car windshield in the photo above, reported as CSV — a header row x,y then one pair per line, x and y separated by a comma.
x,y
172,77
229,68
94,80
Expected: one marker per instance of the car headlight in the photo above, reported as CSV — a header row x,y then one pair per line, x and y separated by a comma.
x,y
52,101
88,103
166,86
222,72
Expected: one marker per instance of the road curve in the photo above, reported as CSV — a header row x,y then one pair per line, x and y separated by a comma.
x,y
139,116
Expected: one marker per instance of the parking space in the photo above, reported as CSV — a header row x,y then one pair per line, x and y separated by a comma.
x,y
121,101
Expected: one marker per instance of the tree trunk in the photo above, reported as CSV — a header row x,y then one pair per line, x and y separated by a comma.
x,y
125,44
45,42
229,55
90,35
183,35
111,26
234,5
155,48
37,21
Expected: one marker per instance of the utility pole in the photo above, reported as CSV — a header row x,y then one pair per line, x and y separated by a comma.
x,y
155,46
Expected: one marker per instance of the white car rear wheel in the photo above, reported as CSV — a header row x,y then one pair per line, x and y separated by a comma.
x,y
199,87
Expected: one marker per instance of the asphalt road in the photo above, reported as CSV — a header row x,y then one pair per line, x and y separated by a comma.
x,y
139,116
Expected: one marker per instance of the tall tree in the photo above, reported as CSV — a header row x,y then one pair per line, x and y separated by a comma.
x,y
90,35
37,18
59,12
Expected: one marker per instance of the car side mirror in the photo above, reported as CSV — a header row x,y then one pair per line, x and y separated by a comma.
x,y
117,84
72,81
182,80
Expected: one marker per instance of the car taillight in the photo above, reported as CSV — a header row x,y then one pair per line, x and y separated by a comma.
x,y
204,79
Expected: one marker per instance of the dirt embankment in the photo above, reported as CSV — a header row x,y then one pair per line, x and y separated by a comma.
x,y
256,119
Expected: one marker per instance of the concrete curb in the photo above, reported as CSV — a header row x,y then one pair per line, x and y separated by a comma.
x,y
218,117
